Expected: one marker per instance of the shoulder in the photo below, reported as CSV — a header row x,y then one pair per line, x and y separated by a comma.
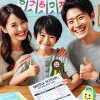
x,y
73,44
34,48
33,53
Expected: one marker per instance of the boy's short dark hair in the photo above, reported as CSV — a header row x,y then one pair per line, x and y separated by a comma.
x,y
84,5
51,25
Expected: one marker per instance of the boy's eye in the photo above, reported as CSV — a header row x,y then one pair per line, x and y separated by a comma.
x,y
52,37
42,34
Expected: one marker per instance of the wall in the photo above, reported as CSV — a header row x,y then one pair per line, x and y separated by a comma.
x,y
66,35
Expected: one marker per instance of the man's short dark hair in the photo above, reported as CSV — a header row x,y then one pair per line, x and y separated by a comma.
x,y
84,5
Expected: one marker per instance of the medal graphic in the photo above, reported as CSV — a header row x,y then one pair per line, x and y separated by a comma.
x,y
56,67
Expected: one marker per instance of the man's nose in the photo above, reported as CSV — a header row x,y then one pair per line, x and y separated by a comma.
x,y
76,23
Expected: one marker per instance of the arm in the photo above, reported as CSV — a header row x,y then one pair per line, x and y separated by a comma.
x,y
74,78
75,82
88,71
33,70
18,63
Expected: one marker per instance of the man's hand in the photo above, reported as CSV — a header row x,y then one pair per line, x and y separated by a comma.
x,y
88,71
62,52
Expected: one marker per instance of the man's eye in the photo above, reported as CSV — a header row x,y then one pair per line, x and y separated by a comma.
x,y
70,22
81,17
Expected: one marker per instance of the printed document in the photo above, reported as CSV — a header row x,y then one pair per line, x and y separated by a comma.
x,y
51,89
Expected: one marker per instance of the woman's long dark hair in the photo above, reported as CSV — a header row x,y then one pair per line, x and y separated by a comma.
x,y
6,46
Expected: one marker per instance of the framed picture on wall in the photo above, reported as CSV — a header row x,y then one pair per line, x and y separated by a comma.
x,y
99,15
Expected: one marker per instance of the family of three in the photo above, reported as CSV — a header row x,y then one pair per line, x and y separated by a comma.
x,y
35,65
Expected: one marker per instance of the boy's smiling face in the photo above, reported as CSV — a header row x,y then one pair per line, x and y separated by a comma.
x,y
45,41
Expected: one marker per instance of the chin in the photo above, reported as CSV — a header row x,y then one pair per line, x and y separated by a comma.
x,y
81,36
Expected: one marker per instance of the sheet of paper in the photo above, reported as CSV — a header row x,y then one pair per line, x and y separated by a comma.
x,y
51,89
97,96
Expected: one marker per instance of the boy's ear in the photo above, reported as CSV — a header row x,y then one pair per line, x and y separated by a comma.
x,y
92,15
3,29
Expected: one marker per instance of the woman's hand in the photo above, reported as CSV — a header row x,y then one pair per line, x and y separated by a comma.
x,y
20,62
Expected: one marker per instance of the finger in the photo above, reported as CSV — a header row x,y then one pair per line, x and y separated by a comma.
x,y
66,81
58,51
24,57
62,52
82,68
21,63
86,61
31,62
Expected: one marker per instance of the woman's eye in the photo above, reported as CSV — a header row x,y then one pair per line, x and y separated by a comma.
x,y
13,25
23,22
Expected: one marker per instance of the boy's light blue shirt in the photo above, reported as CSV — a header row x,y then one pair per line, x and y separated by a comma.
x,y
45,67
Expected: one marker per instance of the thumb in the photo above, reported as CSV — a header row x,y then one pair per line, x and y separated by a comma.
x,y
31,62
86,61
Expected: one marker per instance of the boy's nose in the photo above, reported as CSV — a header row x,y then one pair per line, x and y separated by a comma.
x,y
46,39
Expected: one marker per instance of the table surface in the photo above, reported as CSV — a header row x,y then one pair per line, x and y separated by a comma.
x,y
24,90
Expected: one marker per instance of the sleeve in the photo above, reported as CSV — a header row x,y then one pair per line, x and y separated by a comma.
x,y
69,68
22,69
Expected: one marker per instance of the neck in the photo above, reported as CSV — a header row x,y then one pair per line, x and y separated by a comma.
x,y
91,38
16,46
43,53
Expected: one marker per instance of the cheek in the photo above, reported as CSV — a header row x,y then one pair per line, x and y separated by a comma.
x,y
53,41
25,25
70,27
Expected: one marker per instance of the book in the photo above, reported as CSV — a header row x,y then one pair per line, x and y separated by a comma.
x,y
9,96
12,96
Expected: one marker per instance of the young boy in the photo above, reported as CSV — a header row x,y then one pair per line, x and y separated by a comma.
x,y
42,64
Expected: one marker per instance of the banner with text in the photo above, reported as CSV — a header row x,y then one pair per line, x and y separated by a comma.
x,y
45,6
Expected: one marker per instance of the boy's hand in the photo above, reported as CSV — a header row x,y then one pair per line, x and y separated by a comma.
x,y
33,69
20,62
88,71
69,83
62,52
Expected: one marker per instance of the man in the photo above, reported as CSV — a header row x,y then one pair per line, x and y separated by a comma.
x,y
84,52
